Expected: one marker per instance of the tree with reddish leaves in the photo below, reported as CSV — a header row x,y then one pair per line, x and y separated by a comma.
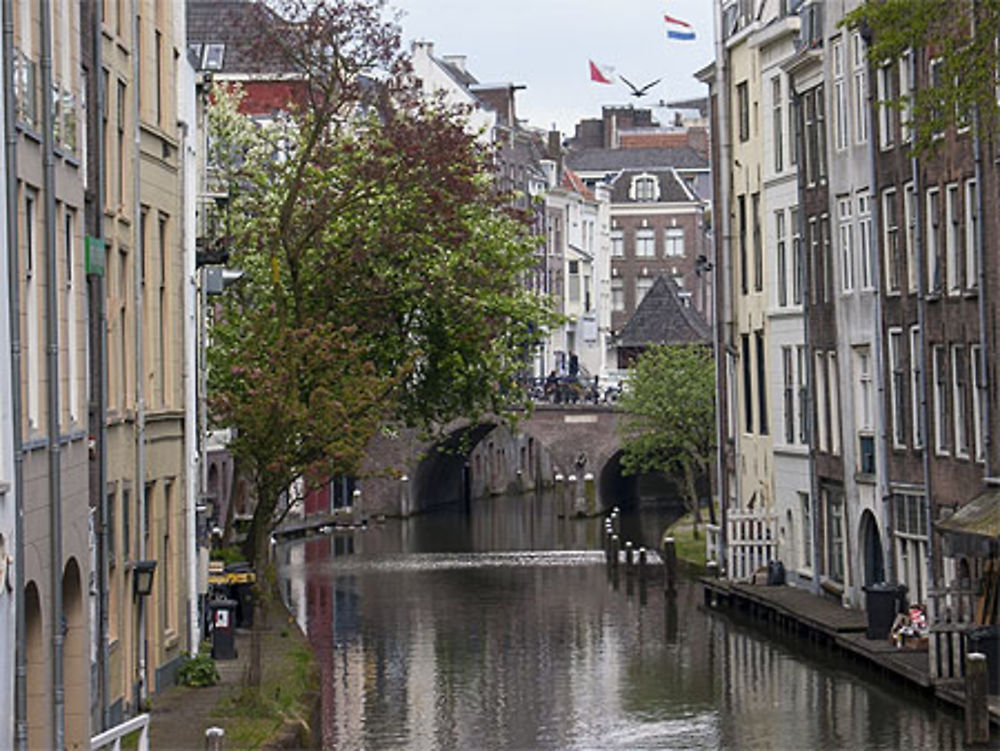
x,y
383,273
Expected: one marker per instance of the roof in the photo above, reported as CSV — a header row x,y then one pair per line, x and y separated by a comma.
x,y
572,181
663,318
235,24
615,160
980,517
672,190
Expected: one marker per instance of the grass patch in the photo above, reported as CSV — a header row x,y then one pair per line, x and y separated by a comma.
x,y
252,718
690,549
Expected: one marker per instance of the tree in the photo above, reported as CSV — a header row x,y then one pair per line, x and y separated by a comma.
x,y
960,36
669,416
383,273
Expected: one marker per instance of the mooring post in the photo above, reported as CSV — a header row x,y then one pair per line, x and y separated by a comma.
x,y
589,494
560,491
616,519
712,569
214,738
642,564
669,565
615,547
629,559
977,708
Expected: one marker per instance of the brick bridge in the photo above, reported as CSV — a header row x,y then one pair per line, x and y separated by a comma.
x,y
405,474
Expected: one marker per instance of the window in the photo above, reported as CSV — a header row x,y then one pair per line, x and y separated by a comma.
x,y
163,311
896,409
827,258
794,130
867,267
910,217
813,260
952,231
864,411
935,78
617,295
72,359
788,383
822,403
886,109
846,232
940,375
645,243
644,188
761,383
840,109
743,110
796,256
33,353
782,260
910,530
120,194
167,600
741,217
835,535
890,234
932,243
747,384
213,57
971,236
674,242
916,387
959,398
617,243
803,393
758,249
820,131
778,121
807,533
975,368
858,66
905,90
126,525
574,281
833,402
159,77
811,144
642,285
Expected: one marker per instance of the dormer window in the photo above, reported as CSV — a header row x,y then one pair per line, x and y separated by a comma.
x,y
645,188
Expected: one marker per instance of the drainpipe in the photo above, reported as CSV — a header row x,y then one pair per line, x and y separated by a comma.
x,y
878,361
52,387
722,267
14,311
985,415
99,342
926,364
138,262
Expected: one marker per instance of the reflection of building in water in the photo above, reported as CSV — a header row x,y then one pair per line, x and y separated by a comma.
x,y
768,690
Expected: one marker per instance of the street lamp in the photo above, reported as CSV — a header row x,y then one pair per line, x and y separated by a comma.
x,y
142,578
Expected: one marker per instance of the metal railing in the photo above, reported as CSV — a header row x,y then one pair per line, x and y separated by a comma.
x,y
112,738
571,390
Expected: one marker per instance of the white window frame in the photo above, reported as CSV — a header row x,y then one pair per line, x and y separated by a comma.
x,y
890,238
886,124
778,124
932,240
781,262
896,365
822,396
841,108
859,62
905,92
866,249
940,398
971,235
617,294
916,378
642,286
834,384
959,388
975,382
845,232
617,243
673,242
952,231
645,242
910,219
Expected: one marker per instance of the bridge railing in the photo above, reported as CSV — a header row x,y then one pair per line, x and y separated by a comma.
x,y
571,390
112,738
752,541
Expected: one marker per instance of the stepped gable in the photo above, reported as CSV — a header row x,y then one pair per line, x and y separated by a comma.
x,y
663,318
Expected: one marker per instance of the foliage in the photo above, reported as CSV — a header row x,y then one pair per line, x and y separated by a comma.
x,y
942,30
198,671
228,554
669,420
383,273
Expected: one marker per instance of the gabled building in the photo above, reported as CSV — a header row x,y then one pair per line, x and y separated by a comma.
x,y
663,318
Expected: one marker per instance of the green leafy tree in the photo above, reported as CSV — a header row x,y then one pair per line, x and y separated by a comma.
x,y
383,272
669,420
960,36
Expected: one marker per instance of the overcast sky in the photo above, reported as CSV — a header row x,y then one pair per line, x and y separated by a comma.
x,y
545,45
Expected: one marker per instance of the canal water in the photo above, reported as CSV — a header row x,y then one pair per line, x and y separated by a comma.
x,y
498,627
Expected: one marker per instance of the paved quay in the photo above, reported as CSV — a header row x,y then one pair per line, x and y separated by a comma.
x,y
797,610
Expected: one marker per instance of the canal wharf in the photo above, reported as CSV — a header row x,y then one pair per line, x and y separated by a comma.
x,y
797,611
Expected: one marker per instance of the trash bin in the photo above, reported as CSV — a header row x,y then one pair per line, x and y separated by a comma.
x,y
883,602
775,573
986,640
223,629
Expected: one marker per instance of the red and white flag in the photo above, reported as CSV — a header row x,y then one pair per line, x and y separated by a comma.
x,y
601,73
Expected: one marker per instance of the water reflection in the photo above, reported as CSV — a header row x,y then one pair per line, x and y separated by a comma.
x,y
438,634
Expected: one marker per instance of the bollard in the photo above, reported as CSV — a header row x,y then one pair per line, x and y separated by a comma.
x,y
607,544
616,519
560,493
642,564
615,547
214,738
629,559
712,569
589,494
404,496
669,565
977,708
356,511
569,496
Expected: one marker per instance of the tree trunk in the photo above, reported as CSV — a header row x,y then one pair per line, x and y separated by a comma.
x,y
691,491
262,600
706,467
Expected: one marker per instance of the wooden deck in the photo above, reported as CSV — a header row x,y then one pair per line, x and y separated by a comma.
x,y
819,618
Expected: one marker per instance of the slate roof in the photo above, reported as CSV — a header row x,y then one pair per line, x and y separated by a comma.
x,y
615,160
662,318
671,189
236,24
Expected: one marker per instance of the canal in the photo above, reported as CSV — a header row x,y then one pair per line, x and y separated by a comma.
x,y
498,627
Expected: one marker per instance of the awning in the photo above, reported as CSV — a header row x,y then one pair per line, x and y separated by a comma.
x,y
979,517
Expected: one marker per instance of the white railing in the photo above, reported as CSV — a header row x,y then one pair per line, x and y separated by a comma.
x,y
113,738
950,614
713,542
752,542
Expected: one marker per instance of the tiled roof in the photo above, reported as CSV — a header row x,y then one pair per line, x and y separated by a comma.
x,y
615,160
235,24
662,318
671,189
572,181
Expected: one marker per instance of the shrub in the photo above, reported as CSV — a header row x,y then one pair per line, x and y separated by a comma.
x,y
198,672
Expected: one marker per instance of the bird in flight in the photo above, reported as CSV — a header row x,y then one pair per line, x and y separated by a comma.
x,y
638,91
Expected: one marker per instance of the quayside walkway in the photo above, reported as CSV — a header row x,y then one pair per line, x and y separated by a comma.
x,y
797,611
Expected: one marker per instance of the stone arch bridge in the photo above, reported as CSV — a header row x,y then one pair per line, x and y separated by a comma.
x,y
578,445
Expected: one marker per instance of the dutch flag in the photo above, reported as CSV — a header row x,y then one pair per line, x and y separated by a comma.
x,y
678,29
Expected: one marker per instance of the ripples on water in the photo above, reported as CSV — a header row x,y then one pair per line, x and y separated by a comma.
x,y
498,646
